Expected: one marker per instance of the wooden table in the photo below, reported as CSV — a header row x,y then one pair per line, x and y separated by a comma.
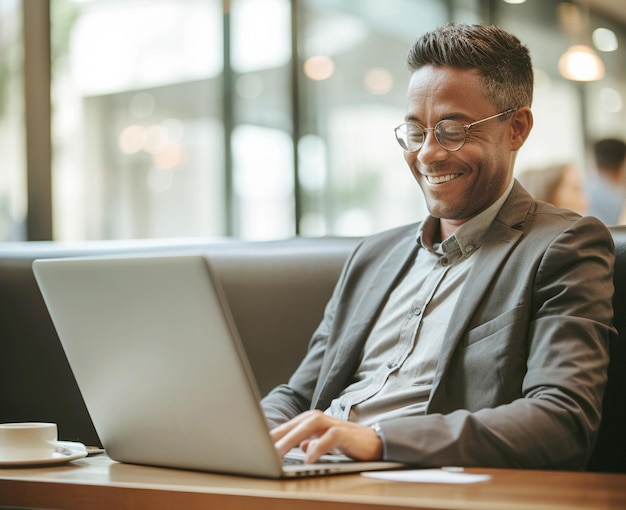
x,y
99,483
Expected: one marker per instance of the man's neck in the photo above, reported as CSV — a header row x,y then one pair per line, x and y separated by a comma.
x,y
447,228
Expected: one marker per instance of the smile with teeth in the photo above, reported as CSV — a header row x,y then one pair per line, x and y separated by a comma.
x,y
439,179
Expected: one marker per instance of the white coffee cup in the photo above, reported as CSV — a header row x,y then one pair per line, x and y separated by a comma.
x,y
27,441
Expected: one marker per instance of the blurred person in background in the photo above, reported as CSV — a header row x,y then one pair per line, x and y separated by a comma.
x,y
607,187
561,185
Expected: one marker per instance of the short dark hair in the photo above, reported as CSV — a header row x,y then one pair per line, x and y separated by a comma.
x,y
609,154
501,60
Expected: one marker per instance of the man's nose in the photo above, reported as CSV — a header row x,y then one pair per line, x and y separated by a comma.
x,y
431,151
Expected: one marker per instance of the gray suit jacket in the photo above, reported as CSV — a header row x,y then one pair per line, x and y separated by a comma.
x,y
522,372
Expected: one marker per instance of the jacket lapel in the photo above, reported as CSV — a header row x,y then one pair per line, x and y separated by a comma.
x,y
501,238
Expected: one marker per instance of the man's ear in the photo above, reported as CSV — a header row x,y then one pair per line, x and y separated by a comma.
x,y
521,124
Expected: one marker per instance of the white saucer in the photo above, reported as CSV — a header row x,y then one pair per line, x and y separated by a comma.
x,y
65,452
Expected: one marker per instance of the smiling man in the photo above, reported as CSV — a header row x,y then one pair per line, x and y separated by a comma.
x,y
479,336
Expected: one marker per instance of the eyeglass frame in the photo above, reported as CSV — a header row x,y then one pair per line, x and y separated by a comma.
x,y
466,127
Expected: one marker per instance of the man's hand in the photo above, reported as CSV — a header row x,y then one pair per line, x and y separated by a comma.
x,y
317,434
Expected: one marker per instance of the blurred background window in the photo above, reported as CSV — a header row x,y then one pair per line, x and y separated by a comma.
x,y
137,122
262,119
261,140
12,129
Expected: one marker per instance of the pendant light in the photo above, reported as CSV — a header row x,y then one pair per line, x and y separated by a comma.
x,y
580,62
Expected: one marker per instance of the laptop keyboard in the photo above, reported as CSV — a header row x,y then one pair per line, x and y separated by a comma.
x,y
296,458
291,461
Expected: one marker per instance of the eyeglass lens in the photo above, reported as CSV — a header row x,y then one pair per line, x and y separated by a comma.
x,y
449,133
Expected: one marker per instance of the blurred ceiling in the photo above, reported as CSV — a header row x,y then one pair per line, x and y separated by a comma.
x,y
615,9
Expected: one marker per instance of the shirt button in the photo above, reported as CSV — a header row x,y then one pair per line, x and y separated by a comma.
x,y
444,262
417,311
391,364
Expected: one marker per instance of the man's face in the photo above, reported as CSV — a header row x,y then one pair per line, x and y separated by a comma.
x,y
458,185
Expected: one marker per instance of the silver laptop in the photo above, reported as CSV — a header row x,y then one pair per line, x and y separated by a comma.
x,y
159,363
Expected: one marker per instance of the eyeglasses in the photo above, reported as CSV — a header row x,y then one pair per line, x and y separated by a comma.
x,y
450,134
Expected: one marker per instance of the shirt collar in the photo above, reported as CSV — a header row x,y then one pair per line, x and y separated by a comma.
x,y
468,237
